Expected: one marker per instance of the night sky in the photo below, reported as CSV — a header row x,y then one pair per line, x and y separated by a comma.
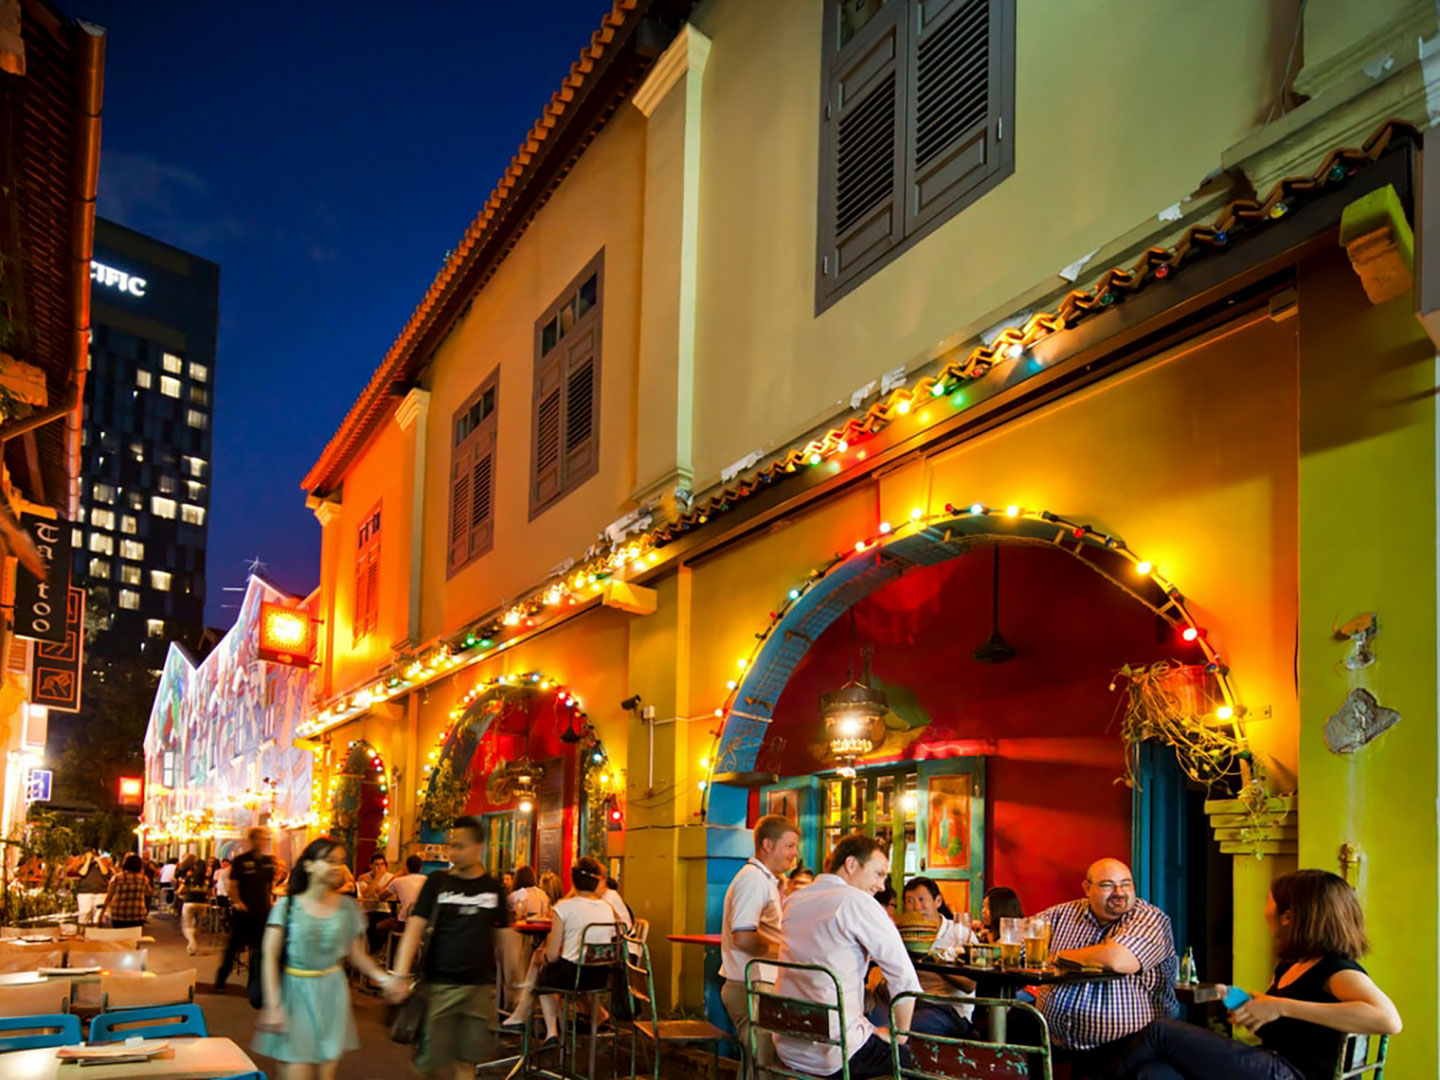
x,y
326,156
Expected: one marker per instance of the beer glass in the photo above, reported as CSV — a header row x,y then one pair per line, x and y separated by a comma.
x,y
1037,942
1012,942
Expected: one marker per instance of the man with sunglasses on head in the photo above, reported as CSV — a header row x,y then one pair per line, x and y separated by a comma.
x,y
1092,1022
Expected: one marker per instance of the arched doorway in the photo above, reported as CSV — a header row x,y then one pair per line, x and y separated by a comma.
x,y
988,773
360,804
520,753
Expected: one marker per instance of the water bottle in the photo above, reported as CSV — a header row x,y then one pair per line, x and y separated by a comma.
x,y
1187,967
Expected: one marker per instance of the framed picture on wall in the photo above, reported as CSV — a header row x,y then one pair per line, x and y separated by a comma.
x,y
784,803
949,832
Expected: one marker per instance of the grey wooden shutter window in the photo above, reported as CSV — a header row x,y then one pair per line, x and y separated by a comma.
x,y
580,427
482,492
950,67
461,463
474,434
546,483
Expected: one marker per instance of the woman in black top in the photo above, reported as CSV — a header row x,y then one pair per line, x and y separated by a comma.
x,y
1318,995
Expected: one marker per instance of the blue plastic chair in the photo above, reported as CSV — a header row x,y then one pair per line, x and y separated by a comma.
x,y
118,1025
66,1033
245,1076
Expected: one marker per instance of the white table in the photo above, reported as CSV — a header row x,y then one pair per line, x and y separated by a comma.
x,y
187,1059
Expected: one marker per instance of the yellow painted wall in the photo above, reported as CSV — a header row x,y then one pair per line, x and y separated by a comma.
x,y
1121,109
1368,543
598,206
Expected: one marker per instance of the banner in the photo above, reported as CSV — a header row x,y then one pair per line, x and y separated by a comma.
x,y
40,605
55,670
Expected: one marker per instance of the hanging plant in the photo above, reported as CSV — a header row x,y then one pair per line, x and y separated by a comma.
x,y
1169,703
445,798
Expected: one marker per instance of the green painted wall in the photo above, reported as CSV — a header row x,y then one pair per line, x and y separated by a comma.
x,y
1368,543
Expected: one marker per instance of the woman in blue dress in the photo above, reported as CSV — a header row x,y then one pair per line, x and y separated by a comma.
x,y
307,1022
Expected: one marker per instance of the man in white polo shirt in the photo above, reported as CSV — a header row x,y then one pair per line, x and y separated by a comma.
x,y
751,926
836,923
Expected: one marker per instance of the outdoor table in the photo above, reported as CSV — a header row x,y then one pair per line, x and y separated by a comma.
x,y
711,941
1198,993
1003,982
538,928
186,1059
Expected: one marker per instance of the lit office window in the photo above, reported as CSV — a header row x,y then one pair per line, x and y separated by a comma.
x,y
136,500
162,507
129,599
99,568
193,491
196,466
199,372
154,627
137,449
132,549
129,575
196,419
102,518
169,386
199,396
104,493
173,364
143,379
192,515
167,486
128,524
160,579
77,538
105,545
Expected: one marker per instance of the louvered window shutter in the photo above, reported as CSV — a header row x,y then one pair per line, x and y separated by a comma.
x,y
862,215
580,403
482,492
955,64
372,588
547,455
461,466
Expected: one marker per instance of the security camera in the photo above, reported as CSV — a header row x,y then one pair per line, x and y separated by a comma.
x,y
631,703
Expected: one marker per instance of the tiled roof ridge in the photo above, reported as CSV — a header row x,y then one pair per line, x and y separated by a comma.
x,y
1155,264
384,376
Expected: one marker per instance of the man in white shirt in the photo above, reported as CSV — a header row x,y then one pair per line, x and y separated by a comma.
x,y
836,923
751,925
922,895
611,895
406,889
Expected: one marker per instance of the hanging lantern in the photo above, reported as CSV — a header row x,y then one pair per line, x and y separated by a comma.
x,y
854,719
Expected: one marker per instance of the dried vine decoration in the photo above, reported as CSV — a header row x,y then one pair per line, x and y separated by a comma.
x,y
445,797
1169,703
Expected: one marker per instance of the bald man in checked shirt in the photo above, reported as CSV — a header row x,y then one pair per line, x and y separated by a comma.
x,y
1091,1023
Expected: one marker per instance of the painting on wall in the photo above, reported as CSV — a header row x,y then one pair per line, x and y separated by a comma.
x,y
785,804
949,831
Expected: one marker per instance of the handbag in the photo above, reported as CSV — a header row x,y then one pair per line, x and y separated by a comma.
x,y
407,1019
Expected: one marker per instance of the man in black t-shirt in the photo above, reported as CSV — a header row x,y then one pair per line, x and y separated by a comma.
x,y
466,906
252,877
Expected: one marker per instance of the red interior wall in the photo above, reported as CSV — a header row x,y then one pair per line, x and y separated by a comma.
x,y
1046,720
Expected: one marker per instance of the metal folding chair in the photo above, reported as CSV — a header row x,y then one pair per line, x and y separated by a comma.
x,y
646,1023
598,959
1355,1056
796,1018
940,1056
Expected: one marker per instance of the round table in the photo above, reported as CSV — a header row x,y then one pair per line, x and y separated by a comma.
x,y
1003,983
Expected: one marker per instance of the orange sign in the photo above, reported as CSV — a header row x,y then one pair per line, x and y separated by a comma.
x,y
131,790
285,635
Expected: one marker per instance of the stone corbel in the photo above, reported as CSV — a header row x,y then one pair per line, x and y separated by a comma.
x,y
1376,235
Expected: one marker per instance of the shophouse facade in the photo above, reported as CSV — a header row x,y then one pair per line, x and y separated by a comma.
x,y
717,406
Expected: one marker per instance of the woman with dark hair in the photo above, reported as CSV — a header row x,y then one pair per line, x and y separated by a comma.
x,y
999,903
528,902
1319,994
128,899
555,966
307,1021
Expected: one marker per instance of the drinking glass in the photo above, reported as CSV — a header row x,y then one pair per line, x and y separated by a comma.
x,y
1037,942
1012,941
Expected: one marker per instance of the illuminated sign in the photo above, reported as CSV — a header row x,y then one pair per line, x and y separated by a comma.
x,y
131,790
37,785
285,635
55,666
119,280
39,602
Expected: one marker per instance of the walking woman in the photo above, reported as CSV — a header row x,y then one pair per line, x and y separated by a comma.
x,y
307,1021
1319,993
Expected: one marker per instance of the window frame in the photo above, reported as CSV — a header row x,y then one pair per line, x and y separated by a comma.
x,y
367,574
551,366
913,223
466,539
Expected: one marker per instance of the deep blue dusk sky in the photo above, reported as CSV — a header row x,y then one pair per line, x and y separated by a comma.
x,y
327,156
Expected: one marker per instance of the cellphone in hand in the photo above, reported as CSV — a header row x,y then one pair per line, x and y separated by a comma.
x,y
1235,997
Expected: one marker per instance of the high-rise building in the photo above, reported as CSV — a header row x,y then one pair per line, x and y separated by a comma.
x,y
139,541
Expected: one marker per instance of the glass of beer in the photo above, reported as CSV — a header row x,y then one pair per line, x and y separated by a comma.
x,y
1012,942
1037,942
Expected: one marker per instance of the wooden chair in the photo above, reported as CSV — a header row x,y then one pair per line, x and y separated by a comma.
x,y
1355,1056
150,1023
36,999
58,1030
796,1018
94,946
133,991
600,954
646,1023
129,936
29,957
942,1056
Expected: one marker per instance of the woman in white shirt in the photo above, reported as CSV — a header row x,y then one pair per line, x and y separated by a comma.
x,y
555,967
529,902
923,895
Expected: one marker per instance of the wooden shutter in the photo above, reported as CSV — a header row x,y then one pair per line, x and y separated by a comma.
x,y
372,587
461,478
546,475
862,146
959,69
482,491
581,405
